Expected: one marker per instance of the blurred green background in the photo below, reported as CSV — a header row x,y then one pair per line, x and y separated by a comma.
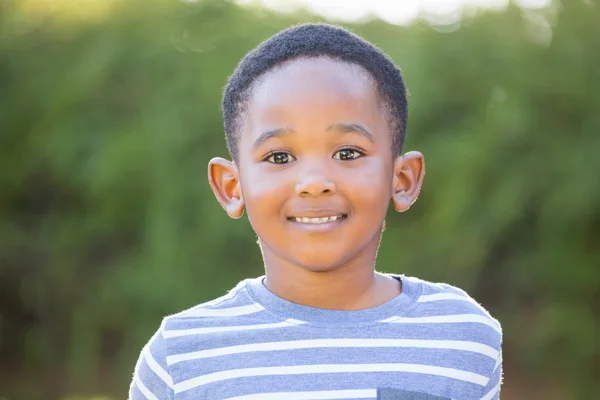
x,y
110,111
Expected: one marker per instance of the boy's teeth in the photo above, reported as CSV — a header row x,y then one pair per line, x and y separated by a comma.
x,y
306,220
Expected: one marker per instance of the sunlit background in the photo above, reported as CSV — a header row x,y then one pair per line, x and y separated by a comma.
x,y
402,12
110,111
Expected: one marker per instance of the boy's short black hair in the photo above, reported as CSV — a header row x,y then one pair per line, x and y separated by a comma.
x,y
315,40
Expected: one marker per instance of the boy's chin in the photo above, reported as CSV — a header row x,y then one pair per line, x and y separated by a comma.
x,y
320,264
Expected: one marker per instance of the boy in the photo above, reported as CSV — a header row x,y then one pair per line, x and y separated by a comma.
x,y
315,119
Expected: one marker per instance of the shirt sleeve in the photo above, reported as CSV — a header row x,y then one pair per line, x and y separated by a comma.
x,y
492,389
151,377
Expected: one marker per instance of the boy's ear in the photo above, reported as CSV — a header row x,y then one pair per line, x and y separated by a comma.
x,y
224,180
409,171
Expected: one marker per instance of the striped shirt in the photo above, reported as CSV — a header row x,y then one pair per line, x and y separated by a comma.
x,y
431,342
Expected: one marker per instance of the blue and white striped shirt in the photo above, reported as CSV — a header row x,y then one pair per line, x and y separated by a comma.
x,y
431,342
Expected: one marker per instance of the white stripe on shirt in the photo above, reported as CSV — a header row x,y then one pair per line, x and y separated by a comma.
x,y
452,296
145,391
336,343
224,312
446,319
442,296
171,333
328,369
158,370
318,395
241,287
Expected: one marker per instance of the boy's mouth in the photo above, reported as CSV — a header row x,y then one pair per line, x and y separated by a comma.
x,y
318,220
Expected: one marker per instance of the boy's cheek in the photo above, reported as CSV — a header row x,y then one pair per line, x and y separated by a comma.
x,y
265,196
368,183
259,182
266,190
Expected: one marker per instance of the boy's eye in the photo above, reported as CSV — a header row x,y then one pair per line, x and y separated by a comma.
x,y
280,158
347,154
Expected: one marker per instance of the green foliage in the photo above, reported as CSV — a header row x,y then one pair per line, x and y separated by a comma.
x,y
107,222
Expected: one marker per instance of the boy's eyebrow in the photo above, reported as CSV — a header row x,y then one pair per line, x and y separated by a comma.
x,y
345,127
273,133
339,127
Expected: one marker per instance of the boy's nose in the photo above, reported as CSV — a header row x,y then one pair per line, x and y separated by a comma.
x,y
315,183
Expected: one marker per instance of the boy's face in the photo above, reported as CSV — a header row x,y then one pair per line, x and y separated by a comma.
x,y
315,170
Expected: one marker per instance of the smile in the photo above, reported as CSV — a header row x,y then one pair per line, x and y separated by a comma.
x,y
316,221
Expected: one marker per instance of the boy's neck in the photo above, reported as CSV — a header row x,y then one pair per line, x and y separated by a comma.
x,y
351,287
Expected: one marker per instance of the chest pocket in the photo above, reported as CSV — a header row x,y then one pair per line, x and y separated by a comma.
x,y
397,394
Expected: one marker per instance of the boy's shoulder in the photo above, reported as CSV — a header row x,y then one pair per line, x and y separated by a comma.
x,y
236,303
445,295
449,304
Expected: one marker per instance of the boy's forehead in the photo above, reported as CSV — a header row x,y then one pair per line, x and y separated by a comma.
x,y
314,76
314,86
